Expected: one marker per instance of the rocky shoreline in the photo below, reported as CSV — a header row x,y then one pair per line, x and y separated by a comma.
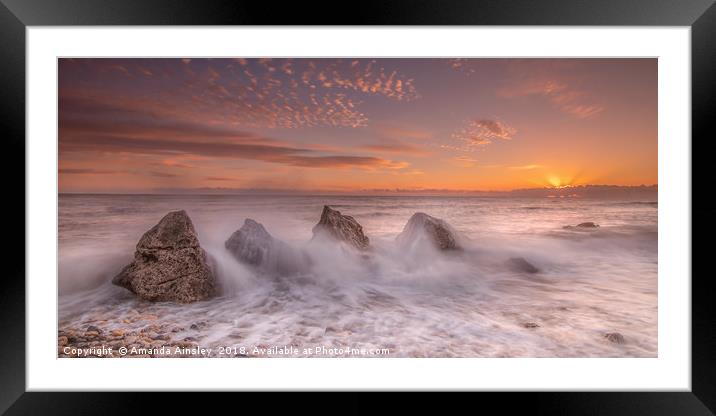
x,y
143,335
170,266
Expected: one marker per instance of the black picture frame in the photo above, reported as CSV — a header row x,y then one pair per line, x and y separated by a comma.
x,y
16,15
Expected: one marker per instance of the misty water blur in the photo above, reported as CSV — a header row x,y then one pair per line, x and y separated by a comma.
x,y
417,302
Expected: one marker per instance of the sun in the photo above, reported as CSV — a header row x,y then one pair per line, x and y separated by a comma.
x,y
556,182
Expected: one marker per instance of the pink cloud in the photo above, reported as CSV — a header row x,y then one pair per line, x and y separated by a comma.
x,y
566,98
481,132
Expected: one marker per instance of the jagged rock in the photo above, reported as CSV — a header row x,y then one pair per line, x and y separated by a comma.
x,y
615,337
519,264
582,226
340,227
531,325
169,264
253,245
93,328
422,226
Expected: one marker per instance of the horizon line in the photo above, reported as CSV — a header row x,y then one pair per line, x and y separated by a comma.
x,y
364,192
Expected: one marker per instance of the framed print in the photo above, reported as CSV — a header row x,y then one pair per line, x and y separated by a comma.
x,y
453,199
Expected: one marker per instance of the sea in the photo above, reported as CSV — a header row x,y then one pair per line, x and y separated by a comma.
x,y
466,303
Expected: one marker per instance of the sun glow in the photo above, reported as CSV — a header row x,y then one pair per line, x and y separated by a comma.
x,y
557,182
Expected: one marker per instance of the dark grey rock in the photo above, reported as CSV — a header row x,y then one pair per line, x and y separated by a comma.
x,y
93,328
254,246
582,226
519,264
422,226
615,337
251,243
340,227
169,264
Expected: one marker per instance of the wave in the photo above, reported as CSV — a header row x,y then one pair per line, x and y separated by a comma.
x,y
417,302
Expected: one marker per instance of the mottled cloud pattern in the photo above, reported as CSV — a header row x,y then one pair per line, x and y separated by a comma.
x,y
480,132
271,93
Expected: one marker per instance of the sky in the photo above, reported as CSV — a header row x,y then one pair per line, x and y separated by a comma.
x,y
355,125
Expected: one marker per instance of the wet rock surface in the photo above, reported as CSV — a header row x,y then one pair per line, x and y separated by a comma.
x,y
583,226
520,265
422,226
169,264
615,337
148,341
340,227
254,246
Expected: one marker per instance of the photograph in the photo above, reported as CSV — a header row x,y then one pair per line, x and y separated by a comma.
x,y
357,207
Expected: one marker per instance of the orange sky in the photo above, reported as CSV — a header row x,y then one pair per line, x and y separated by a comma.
x,y
146,125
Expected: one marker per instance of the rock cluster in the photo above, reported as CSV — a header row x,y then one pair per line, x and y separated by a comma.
x,y
93,342
169,264
340,227
422,227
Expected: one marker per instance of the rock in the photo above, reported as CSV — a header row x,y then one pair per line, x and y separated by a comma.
x,y
582,226
253,245
615,337
519,264
422,226
62,341
340,227
117,333
93,328
588,225
169,264
531,325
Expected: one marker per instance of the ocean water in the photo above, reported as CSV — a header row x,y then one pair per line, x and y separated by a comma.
x,y
410,304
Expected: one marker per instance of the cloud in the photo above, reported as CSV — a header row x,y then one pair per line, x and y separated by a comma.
x,y
481,132
399,140
218,178
79,171
227,150
366,162
399,133
527,167
271,93
90,126
465,161
124,144
174,163
395,147
553,79
462,64
566,98
163,174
